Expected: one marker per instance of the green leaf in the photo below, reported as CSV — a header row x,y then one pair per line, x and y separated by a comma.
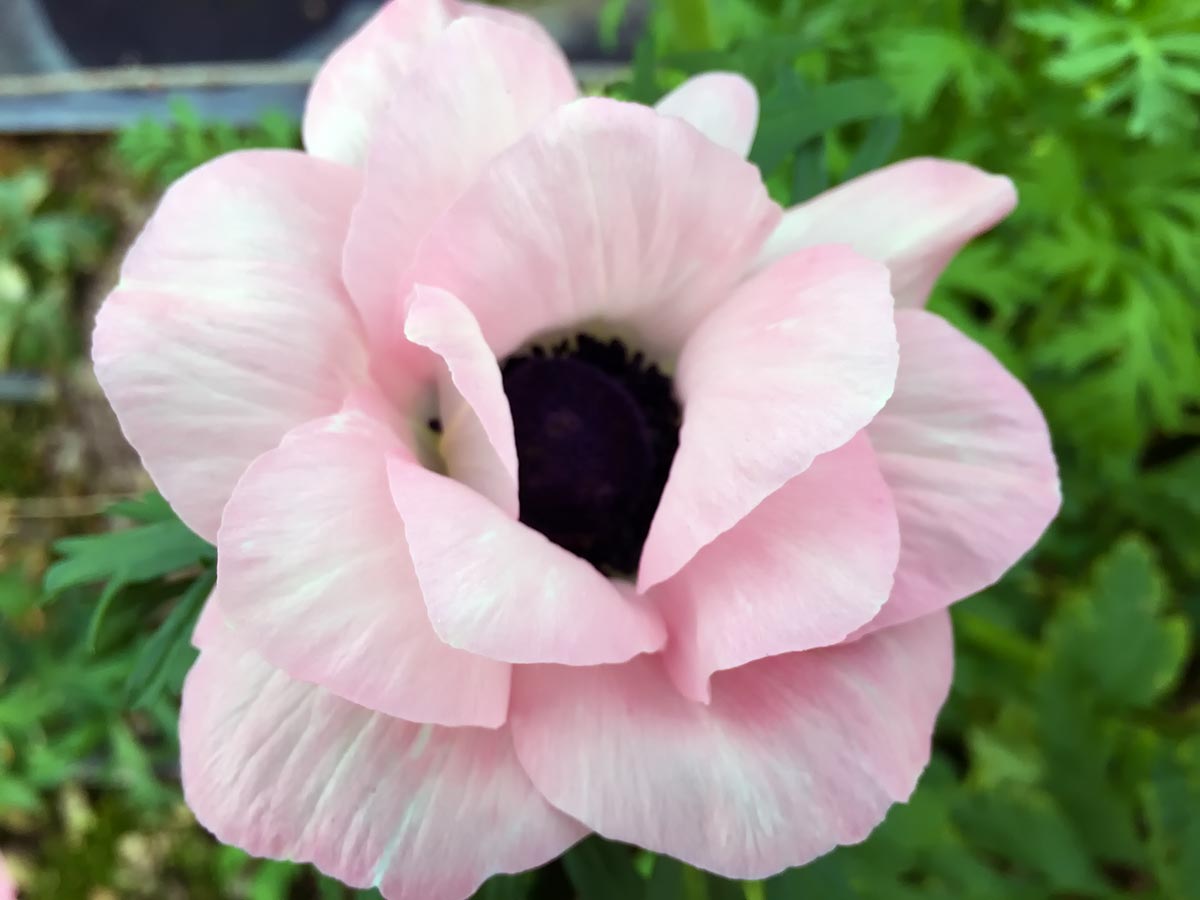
x,y
810,174
150,507
876,147
601,870
1025,828
1117,638
666,880
921,64
793,115
103,605
724,889
1171,796
1080,751
17,595
609,20
152,665
692,21
507,887
1089,63
134,554
17,796
821,879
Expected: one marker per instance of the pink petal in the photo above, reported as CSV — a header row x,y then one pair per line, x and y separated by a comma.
x,y
967,455
606,210
793,365
357,83
795,755
8,887
913,215
527,25
230,324
287,770
498,588
210,624
807,566
477,427
315,576
723,106
475,91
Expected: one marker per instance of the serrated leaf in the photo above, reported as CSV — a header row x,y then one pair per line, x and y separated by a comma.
x,y
1088,63
1079,748
133,554
1117,638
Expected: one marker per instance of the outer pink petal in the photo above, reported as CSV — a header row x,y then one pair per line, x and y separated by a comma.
x,y
230,325
498,588
527,25
210,624
477,427
795,755
476,90
913,215
794,364
287,770
967,455
723,106
315,576
8,887
606,210
807,566
356,84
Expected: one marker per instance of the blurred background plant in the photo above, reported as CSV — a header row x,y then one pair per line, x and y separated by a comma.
x,y
1067,763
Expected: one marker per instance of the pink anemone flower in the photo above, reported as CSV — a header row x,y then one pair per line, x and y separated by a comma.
x,y
561,482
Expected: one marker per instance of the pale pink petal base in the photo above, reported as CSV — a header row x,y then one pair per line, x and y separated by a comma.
x,y
500,589
722,106
477,440
806,567
793,365
315,575
967,455
795,755
913,215
230,324
286,770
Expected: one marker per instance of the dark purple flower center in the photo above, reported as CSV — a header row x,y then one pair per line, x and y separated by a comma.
x,y
596,431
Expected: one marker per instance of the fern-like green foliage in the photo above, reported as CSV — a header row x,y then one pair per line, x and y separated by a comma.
x,y
1142,60
162,151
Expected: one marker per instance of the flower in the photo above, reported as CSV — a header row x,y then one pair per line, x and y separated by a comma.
x,y
560,481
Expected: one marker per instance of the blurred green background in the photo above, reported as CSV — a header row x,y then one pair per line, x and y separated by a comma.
x,y
1067,762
